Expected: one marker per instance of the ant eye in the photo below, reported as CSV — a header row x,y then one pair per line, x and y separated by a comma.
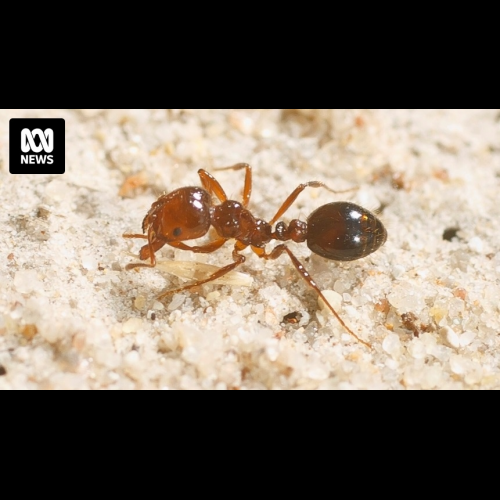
x,y
177,231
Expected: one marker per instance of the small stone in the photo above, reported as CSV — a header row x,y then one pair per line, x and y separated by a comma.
x,y
476,244
398,270
392,364
140,302
417,349
450,336
177,301
42,213
132,325
339,286
191,354
458,364
334,298
466,338
391,344
213,296
29,331
52,332
132,358
437,313
89,262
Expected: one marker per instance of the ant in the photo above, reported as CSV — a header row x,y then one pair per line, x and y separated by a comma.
x,y
338,231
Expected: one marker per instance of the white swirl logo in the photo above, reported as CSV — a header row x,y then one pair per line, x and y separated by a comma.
x,y
28,140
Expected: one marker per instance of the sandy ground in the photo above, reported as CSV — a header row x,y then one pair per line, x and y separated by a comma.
x,y
72,317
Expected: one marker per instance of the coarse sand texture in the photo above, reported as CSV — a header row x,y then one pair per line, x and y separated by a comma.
x,y
427,301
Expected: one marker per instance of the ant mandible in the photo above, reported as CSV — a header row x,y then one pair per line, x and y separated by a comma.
x,y
337,231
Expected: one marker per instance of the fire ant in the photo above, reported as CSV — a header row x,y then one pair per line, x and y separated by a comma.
x,y
337,231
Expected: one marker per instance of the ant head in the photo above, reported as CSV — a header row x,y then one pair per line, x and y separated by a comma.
x,y
183,214
344,231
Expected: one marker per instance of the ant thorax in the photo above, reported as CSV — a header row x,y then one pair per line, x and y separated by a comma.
x,y
231,220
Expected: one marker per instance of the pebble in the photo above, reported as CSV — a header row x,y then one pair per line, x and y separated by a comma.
x,y
132,325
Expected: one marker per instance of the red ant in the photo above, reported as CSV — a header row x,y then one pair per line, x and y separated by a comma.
x,y
337,231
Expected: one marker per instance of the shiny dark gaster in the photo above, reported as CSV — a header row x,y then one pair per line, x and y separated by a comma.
x,y
344,231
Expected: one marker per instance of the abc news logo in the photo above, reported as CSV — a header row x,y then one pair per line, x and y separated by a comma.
x,y
37,146
46,144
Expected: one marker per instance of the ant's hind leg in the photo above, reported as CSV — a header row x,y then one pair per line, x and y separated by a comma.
x,y
247,190
276,252
288,202
238,260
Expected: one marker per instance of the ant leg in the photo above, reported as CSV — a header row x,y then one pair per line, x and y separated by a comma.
x,y
208,248
211,184
127,235
247,190
238,260
146,251
149,250
276,252
297,191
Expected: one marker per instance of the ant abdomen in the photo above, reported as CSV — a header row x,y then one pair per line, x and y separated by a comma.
x,y
344,231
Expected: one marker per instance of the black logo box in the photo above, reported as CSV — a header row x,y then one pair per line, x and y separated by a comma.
x,y
36,162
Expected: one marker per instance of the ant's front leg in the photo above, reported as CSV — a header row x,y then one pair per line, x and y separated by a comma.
x,y
147,251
